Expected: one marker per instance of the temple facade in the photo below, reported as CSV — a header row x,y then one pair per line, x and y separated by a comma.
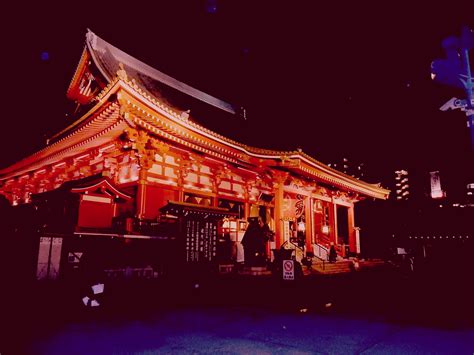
x,y
133,149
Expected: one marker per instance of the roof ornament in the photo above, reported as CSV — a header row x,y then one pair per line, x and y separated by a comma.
x,y
121,73
92,39
185,114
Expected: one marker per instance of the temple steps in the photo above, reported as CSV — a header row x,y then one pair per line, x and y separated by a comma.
x,y
339,267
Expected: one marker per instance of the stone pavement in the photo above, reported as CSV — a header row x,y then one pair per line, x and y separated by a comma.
x,y
364,312
251,331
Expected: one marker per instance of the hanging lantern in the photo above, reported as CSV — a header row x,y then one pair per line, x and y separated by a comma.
x,y
301,226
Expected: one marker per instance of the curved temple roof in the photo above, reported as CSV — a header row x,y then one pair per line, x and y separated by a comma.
x,y
147,83
107,58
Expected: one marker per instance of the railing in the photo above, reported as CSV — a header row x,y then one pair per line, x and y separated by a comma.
x,y
321,252
299,252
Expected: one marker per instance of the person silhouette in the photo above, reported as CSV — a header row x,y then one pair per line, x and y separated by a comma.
x,y
332,253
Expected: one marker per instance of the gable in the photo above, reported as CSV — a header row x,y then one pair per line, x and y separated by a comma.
x,y
87,82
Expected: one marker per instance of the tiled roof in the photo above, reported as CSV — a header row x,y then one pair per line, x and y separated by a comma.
x,y
109,59
98,130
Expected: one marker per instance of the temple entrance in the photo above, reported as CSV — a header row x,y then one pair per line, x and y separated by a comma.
x,y
342,225
343,229
321,223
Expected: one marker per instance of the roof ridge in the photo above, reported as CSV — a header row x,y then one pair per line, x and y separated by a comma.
x,y
97,45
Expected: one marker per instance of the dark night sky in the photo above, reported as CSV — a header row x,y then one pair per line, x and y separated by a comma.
x,y
336,80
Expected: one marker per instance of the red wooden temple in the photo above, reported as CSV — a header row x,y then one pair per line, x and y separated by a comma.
x,y
133,148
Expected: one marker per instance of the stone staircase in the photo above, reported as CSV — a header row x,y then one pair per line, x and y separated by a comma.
x,y
339,267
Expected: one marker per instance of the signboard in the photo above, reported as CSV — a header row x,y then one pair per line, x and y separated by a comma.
x,y
436,191
458,103
401,251
201,240
49,257
455,103
288,270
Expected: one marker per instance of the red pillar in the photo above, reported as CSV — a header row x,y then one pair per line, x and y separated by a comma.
x,y
333,223
141,198
351,223
308,211
279,214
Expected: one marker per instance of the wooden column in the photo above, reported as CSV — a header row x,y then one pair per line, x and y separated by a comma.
x,y
141,193
308,211
333,221
247,191
352,232
278,185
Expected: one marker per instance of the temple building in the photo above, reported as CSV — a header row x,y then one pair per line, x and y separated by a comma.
x,y
135,154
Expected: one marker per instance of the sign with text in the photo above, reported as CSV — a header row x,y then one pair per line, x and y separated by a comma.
x,y
288,270
201,240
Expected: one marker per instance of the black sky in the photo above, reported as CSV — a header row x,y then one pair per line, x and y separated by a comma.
x,y
336,80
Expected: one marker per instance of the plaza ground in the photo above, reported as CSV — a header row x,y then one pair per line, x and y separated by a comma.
x,y
383,311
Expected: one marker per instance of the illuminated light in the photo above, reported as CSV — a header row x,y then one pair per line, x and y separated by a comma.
x,y
59,165
325,229
225,224
81,157
301,226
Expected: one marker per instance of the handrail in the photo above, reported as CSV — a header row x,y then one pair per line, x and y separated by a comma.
x,y
320,252
322,247
293,244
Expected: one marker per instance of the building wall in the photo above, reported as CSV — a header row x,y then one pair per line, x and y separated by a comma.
x,y
177,174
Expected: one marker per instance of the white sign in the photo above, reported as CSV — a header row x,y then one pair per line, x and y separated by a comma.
x,y
401,251
288,270
436,191
99,288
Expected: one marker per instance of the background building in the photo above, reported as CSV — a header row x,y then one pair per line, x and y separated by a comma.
x,y
436,190
402,188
